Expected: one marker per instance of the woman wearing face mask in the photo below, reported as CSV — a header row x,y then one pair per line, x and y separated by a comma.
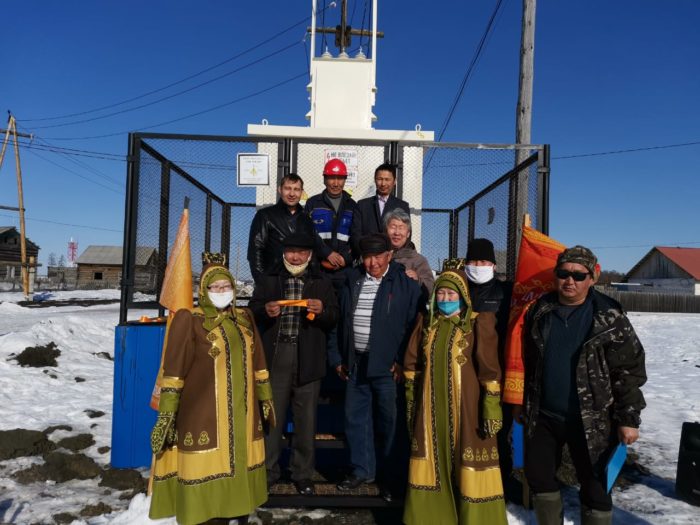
x,y
208,438
453,397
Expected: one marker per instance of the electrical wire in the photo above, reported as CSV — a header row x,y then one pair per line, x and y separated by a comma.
x,y
177,94
80,163
92,181
208,110
632,150
190,77
470,69
64,223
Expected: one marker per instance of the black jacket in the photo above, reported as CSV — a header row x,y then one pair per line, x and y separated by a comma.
x,y
338,229
267,231
312,334
393,317
494,296
609,372
368,218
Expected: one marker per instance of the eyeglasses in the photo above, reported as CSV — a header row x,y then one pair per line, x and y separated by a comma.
x,y
223,288
576,276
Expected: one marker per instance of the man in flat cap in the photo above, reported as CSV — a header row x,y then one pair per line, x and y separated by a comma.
x,y
294,337
584,367
379,304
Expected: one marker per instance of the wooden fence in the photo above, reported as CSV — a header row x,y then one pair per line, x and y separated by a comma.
x,y
655,302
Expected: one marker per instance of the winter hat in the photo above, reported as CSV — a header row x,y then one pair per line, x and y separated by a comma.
x,y
374,243
579,255
298,240
213,269
481,250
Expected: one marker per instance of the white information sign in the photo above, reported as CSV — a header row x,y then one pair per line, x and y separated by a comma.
x,y
349,157
253,169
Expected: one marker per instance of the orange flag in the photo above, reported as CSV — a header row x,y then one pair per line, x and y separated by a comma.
x,y
176,292
534,276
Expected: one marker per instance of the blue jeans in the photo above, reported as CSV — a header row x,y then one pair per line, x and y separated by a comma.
x,y
363,396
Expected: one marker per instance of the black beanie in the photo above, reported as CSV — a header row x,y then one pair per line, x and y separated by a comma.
x,y
481,250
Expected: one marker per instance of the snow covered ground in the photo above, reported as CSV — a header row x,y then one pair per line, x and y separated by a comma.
x,y
30,398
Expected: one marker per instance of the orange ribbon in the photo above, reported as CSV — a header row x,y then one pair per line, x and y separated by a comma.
x,y
304,303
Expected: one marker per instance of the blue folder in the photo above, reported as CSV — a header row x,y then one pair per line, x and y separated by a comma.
x,y
612,469
517,444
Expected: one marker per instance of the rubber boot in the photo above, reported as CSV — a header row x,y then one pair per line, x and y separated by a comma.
x,y
595,517
548,508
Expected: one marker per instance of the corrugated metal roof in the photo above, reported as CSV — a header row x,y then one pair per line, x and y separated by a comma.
x,y
687,258
112,255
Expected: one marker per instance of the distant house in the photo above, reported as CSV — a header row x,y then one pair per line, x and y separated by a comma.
x,y
101,267
11,255
666,269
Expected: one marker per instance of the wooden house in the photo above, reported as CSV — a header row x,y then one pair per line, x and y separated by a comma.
x,y
11,255
101,267
668,270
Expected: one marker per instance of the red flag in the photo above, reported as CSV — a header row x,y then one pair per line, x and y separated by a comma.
x,y
534,276
176,292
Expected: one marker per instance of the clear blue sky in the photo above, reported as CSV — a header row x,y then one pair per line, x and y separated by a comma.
x,y
609,76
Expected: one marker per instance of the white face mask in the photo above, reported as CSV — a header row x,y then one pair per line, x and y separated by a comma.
x,y
479,274
222,299
296,269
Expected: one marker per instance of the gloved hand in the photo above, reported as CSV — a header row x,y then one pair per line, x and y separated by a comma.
x,y
164,433
492,414
268,409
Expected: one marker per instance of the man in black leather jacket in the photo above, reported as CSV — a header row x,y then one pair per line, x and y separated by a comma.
x,y
271,225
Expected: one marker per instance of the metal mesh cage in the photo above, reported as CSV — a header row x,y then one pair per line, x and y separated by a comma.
x,y
456,192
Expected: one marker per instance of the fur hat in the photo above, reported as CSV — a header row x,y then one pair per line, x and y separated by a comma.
x,y
481,250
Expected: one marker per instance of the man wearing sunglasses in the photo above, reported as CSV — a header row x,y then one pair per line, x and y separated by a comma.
x,y
584,367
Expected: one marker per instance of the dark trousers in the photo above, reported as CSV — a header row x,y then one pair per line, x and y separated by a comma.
x,y
543,456
370,399
303,398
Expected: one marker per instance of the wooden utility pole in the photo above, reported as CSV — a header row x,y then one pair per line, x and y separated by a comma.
x,y
343,32
12,129
523,114
527,66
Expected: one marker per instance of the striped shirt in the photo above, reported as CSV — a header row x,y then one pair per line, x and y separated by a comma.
x,y
362,316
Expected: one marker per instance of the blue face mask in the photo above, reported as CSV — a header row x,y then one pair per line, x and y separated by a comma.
x,y
448,307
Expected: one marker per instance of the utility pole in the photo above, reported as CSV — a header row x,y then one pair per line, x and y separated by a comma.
x,y
523,113
527,66
343,32
12,129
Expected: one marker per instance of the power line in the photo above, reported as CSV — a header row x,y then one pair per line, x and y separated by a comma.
x,y
631,150
84,166
76,173
206,70
470,69
209,110
66,224
102,155
644,245
177,94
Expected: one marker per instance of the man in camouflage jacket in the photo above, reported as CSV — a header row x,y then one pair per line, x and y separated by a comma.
x,y
584,367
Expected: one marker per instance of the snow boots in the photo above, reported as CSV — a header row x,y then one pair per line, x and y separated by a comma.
x,y
595,517
549,508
